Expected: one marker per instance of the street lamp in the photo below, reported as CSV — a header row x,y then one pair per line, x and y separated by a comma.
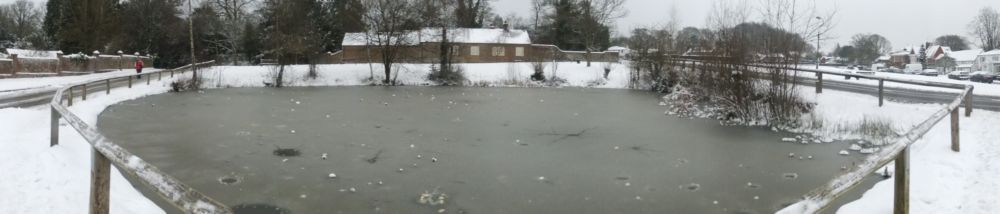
x,y
818,52
194,69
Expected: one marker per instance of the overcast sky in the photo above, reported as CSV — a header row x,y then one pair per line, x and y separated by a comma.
x,y
903,22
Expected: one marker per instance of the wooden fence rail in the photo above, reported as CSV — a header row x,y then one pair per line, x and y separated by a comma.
x,y
819,199
106,153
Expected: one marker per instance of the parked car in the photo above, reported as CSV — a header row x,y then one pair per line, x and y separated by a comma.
x,y
958,75
930,72
913,69
892,70
983,77
857,73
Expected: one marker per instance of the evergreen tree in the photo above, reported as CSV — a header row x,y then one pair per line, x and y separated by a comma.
x,y
53,16
922,55
86,26
251,43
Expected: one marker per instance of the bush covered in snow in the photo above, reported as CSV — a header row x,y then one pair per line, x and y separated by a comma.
x,y
453,76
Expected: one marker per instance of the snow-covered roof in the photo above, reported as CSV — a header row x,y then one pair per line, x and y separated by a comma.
x,y
617,48
934,48
33,53
966,55
993,52
458,35
886,57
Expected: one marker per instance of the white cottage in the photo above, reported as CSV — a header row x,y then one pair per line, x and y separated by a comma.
x,y
989,61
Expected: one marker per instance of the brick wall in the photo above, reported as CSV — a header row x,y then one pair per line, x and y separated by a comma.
x,y
463,53
15,65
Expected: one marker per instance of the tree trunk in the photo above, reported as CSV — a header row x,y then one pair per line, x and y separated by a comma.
x,y
279,81
388,71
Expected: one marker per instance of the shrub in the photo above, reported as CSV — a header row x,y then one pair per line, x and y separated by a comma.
x,y
185,84
454,76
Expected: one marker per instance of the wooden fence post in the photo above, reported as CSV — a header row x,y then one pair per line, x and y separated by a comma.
x,y
100,186
54,128
129,81
881,91
59,63
17,64
69,101
819,83
107,85
954,130
968,103
83,93
147,78
901,196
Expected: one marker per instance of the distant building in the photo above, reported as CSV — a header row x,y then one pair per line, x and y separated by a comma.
x,y
935,52
988,61
964,60
903,57
468,45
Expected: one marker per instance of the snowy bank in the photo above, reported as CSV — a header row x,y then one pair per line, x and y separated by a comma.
x,y
483,74
42,179
944,181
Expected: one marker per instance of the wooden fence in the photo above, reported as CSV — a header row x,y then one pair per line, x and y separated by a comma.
x,y
106,153
821,198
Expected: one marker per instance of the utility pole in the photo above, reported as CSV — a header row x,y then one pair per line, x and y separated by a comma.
x,y
194,69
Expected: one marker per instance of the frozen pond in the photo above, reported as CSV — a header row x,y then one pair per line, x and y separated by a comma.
x,y
490,150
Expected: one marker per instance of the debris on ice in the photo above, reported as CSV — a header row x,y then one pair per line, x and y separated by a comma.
x,y
844,152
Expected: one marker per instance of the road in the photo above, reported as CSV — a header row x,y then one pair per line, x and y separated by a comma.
x,y
990,103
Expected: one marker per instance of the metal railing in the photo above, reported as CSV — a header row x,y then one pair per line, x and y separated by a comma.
x,y
821,198
105,153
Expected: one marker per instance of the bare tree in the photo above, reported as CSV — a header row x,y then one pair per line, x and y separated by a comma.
x,y
234,14
727,14
598,17
537,12
869,47
22,18
389,30
986,28
955,42
798,16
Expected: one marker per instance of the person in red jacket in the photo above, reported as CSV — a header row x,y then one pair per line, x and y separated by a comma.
x,y
138,66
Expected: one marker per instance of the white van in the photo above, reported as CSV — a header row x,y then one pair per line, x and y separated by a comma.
x,y
913,69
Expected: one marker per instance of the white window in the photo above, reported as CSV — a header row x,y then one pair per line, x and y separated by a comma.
x,y
456,50
474,50
499,51
519,51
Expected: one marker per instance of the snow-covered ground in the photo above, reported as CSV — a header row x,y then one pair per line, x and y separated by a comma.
x,y
12,84
40,179
943,181
488,74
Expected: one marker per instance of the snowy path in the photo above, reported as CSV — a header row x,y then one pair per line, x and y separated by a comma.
x,y
14,84
943,181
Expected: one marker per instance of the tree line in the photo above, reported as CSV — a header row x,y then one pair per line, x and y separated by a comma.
x,y
242,31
